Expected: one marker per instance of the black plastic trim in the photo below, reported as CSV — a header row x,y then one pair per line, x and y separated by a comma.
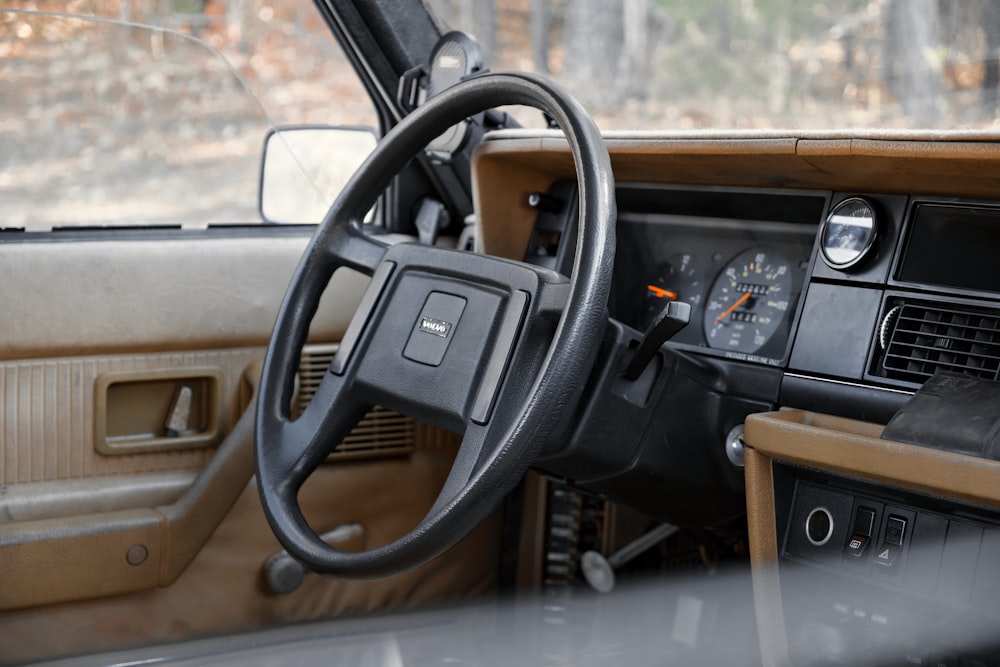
x,y
904,239
361,317
502,351
162,233
844,399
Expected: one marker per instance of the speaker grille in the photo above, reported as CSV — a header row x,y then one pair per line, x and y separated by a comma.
x,y
380,433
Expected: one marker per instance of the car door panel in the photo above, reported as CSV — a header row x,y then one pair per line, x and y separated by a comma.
x,y
222,589
154,294
125,550
168,542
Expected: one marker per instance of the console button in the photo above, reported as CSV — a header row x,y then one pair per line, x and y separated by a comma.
x,y
864,521
895,530
887,554
856,545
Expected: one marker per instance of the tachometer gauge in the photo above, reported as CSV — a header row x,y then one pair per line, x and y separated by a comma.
x,y
679,278
748,301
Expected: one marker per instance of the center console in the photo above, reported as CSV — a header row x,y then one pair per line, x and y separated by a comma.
x,y
870,551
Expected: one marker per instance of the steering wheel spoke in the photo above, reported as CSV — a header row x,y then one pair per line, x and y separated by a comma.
x,y
350,247
292,449
467,462
330,416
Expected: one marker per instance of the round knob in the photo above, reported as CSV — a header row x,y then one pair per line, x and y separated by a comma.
x,y
735,447
887,326
597,571
284,574
819,526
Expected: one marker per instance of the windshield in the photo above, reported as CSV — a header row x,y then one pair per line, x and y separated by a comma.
x,y
753,64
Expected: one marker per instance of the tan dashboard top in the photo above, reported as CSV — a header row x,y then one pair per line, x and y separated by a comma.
x,y
514,163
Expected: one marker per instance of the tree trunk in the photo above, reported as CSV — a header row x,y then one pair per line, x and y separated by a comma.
x,y
483,15
540,35
636,34
594,40
913,68
779,82
991,64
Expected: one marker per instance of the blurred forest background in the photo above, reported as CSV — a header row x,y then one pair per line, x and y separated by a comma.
x,y
753,63
281,48
643,63
103,124
111,124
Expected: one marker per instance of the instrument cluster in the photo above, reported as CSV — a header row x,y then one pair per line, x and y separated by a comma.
x,y
742,278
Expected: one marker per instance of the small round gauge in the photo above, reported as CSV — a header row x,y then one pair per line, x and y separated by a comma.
x,y
748,301
679,278
848,233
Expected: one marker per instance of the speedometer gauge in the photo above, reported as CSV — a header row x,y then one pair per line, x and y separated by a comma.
x,y
748,301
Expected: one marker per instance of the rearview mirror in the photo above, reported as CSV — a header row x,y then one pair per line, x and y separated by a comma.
x,y
304,168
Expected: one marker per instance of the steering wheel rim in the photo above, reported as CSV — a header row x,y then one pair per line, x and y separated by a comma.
x,y
532,389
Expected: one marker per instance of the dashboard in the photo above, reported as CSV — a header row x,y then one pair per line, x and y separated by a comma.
x,y
843,338
821,274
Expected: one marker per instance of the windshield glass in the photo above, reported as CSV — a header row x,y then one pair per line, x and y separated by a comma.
x,y
753,64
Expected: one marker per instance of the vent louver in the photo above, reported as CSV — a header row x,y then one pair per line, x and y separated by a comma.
x,y
380,433
926,338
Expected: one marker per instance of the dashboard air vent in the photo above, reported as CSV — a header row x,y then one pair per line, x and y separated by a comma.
x,y
920,339
380,433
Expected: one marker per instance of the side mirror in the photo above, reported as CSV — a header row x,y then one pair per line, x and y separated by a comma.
x,y
304,168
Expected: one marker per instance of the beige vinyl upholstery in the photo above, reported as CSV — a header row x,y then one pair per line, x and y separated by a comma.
x,y
167,545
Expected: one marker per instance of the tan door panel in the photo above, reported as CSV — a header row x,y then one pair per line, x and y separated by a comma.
x,y
115,531
92,555
49,413
77,312
223,589
117,296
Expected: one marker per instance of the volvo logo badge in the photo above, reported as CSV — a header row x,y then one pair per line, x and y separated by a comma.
x,y
436,327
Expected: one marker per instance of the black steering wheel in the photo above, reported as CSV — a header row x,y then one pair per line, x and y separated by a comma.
x,y
494,349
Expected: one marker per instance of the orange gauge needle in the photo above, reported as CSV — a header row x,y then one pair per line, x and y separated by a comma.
x,y
660,292
733,307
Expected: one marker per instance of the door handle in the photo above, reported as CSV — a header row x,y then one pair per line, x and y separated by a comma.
x,y
158,410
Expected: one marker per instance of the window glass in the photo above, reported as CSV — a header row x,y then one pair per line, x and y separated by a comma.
x,y
754,64
155,113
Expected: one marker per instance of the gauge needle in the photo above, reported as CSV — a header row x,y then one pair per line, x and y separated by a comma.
x,y
660,292
733,307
